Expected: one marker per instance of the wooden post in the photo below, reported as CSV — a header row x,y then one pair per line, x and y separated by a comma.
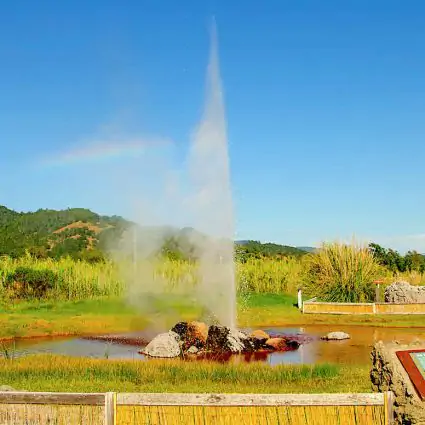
x,y
300,299
377,289
389,407
110,408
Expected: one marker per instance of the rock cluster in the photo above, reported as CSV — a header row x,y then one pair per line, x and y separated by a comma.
x,y
404,293
194,338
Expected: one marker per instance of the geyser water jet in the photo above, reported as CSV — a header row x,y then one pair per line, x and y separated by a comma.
x,y
205,205
210,174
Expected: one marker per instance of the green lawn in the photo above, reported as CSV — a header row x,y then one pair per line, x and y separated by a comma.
x,y
96,316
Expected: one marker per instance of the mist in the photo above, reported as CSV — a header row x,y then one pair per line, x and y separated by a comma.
x,y
198,197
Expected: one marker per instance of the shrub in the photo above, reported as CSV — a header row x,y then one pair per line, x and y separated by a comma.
x,y
342,273
26,282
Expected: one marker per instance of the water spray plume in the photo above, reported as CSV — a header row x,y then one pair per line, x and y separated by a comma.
x,y
207,205
210,171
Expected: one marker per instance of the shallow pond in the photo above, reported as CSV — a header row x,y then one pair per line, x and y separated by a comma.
x,y
127,346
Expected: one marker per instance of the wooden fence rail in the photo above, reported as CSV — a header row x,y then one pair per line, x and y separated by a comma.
x,y
113,402
314,307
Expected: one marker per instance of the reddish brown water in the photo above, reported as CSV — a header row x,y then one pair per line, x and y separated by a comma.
x,y
353,351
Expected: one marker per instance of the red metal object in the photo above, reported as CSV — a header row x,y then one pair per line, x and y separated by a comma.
x,y
415,375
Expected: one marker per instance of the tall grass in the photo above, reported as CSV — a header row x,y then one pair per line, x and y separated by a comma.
x,y
81,280
46,372
76,279
270,275
342,273
334,270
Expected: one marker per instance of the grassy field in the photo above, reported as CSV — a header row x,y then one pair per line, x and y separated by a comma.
x,y
91,298
81,280
54,373
58,373
107,315
96,299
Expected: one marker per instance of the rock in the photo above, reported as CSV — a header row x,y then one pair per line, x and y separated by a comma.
x,y
165,345
180,329
222,339
388,374
217,338
236,341
193,350
259,334
197,334
277,344
336,336
404,293
258,338
292,344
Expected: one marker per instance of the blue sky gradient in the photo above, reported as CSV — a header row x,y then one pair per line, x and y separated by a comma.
x,y
324,100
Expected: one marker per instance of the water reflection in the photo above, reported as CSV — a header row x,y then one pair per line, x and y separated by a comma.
x,y
353,351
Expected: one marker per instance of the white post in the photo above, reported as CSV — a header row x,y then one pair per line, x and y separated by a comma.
x,y
110,408
300,299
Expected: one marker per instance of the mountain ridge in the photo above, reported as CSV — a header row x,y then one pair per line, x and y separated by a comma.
x,y
84,234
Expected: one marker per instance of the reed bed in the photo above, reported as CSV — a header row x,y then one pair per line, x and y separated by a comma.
x,y
196,415
41,414
250,415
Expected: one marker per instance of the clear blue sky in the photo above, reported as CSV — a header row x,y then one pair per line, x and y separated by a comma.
x,y
324,99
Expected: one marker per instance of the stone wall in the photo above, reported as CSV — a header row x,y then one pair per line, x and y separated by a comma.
x,y
388,374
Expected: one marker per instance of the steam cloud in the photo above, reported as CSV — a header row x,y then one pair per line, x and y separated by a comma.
x,y
206,203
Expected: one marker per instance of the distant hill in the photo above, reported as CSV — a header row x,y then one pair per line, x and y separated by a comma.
x,y
242,242
307,248
268,249
77,232
83,234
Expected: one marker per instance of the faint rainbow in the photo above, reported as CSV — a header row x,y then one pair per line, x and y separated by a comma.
x,y
98,152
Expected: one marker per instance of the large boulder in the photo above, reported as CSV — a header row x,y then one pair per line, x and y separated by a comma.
x,y
165,345
217,338
259,334
180,329
292,344
276,344
237,341
338,336
223,339
196,335
403,293
258,338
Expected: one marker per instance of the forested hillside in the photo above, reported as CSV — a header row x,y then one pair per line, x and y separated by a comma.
x,y
249,248
77,232
83,234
